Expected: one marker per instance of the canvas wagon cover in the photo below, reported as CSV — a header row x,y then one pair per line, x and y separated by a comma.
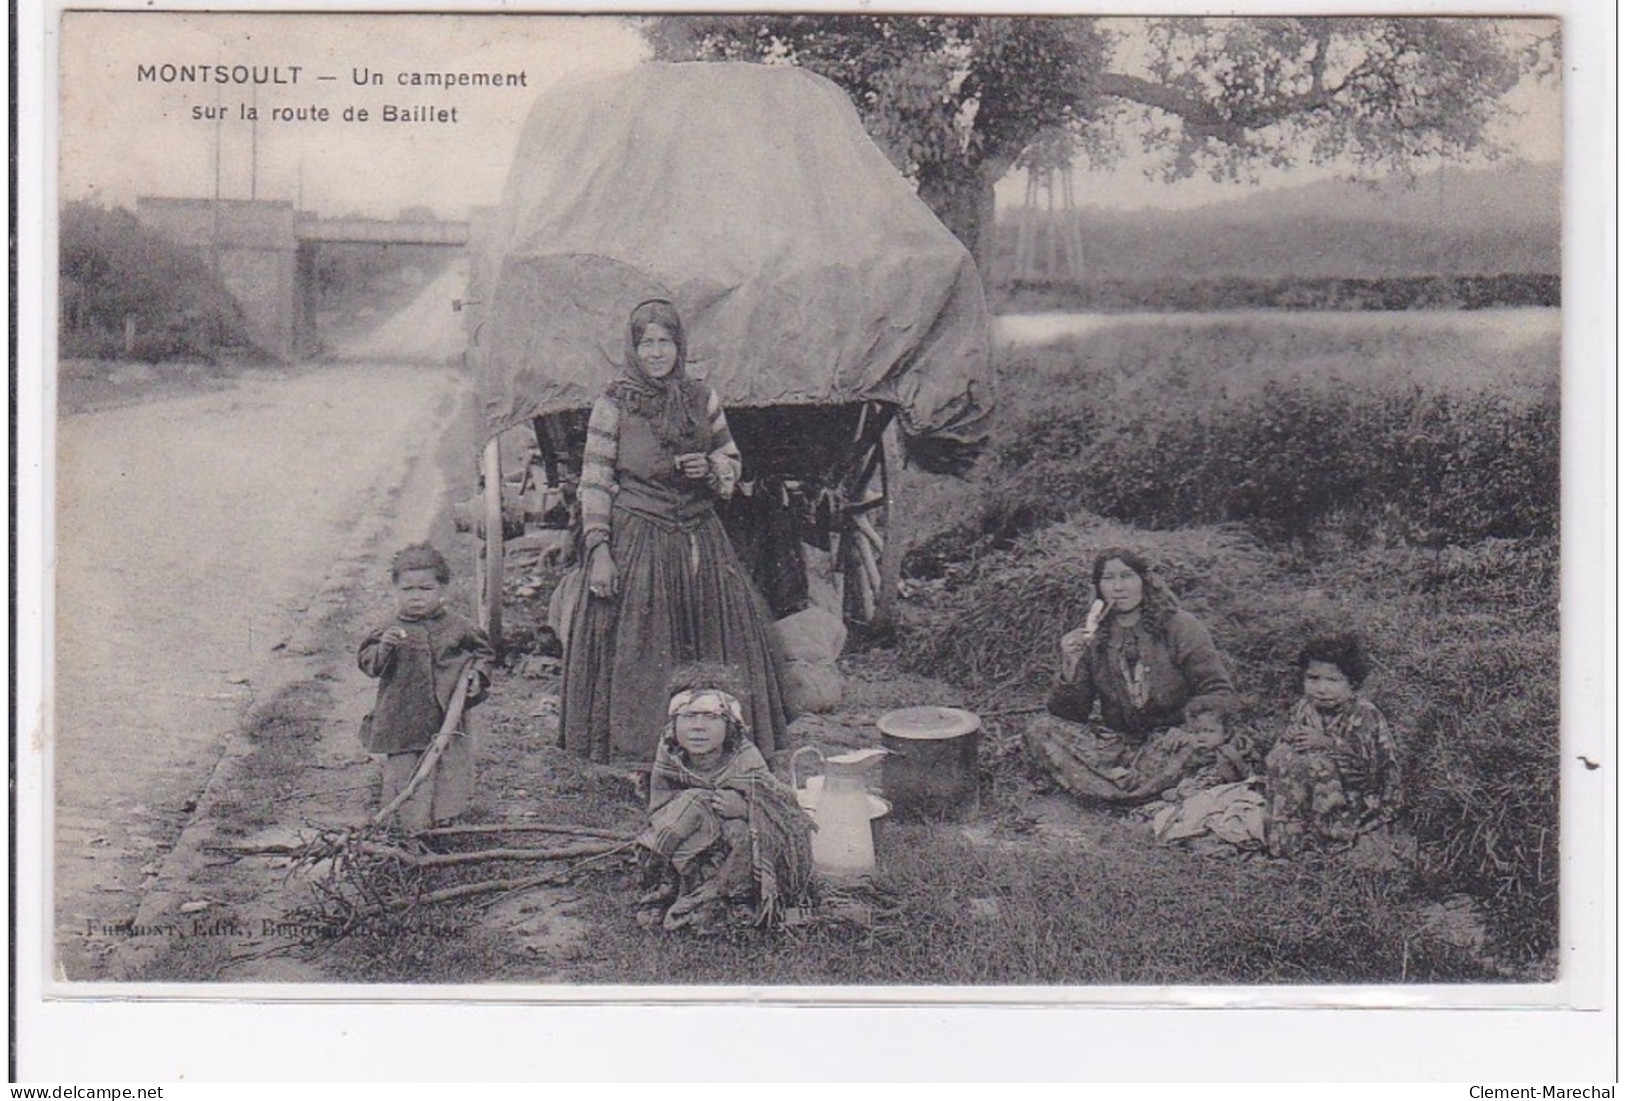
x,y
805,268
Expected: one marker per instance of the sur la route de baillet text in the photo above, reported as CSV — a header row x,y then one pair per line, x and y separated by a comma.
x,y
295,75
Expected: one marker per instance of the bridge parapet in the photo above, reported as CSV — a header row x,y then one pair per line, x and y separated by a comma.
x,y
379,231
264,252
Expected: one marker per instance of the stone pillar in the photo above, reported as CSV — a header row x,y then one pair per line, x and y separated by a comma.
x,y
253,247
306,341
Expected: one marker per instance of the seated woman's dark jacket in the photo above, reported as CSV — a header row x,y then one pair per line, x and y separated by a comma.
x,y
1181,663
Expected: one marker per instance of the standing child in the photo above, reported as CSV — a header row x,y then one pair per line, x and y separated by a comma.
x,y
725,837
1332,775
418,658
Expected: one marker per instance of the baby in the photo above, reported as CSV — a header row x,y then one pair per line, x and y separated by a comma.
x,y
418,657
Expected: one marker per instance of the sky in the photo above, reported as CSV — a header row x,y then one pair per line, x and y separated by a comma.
x,y
122,137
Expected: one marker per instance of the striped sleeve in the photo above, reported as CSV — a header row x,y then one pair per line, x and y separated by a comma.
x,y
726,464
598,471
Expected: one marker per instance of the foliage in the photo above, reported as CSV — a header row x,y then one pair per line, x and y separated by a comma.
x,y
1462,223
1466,651
113,267
1434,503
1286,429
1172,294
957,100
352,277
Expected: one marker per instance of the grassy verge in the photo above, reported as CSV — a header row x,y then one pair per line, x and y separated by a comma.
x,y
1400,484
1039,891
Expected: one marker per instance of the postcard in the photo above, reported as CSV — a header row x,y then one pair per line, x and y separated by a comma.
x,y
898,512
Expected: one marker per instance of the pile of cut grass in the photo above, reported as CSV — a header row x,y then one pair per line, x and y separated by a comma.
x,y
1468,681
1000,619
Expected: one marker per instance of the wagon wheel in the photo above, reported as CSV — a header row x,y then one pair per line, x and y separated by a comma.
x,y
869,556
489,572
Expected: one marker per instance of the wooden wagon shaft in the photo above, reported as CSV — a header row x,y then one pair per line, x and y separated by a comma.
x,y
431,756
867,579
871,459
868,438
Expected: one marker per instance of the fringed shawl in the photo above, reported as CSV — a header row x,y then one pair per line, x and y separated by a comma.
x,y
780,831
675,405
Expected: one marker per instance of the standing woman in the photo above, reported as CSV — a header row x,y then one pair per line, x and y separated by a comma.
x,y
1156,674
664,585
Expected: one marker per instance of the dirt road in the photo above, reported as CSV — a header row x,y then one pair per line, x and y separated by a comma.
x,y
193,536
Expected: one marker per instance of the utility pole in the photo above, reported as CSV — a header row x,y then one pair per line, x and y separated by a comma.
x,y
254,145
214,207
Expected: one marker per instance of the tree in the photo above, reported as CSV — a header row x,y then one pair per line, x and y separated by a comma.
x,y
956,101
113,267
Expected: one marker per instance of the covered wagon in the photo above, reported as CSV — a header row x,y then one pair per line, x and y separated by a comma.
x,y
842,325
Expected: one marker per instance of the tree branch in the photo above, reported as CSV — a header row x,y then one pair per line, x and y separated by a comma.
x,y
1205,119
1194,112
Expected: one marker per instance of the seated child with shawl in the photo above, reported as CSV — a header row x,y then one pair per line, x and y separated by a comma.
x,y
726,840
1332,776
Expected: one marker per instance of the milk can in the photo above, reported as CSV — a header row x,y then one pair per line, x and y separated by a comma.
x,y
843,845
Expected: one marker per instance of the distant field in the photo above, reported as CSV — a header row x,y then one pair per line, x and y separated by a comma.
x,y
1515,325
1514,348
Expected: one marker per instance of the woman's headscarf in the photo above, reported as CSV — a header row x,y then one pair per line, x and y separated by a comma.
x,y
675,404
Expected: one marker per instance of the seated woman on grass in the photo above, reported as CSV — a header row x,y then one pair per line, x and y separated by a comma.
x,y
1150,666
726,841
1332,775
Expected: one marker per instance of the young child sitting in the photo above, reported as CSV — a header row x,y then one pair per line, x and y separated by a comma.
x,y
1210,754
1332,775
726,839
418,658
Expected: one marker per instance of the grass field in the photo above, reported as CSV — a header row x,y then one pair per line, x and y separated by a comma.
x,y
1039,891
1400,481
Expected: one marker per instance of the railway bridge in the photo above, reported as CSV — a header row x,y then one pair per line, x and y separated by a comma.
x,y
265,252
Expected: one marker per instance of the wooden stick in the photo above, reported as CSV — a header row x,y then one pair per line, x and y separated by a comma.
x,y
257,850
1031,710
467,890
431,756
998,690
320,794
524,827
481,856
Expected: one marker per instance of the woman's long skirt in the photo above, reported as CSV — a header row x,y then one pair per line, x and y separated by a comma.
x,y
1099,765
683,597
